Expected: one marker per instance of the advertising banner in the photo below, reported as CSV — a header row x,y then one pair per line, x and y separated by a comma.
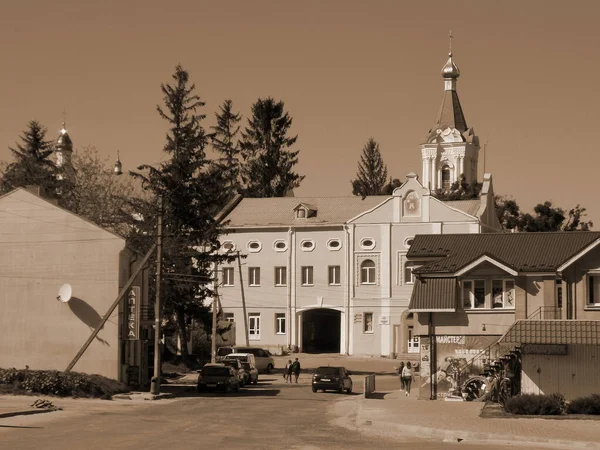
x,y
456,359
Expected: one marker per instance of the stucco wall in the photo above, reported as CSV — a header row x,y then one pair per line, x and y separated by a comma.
x,y
44,247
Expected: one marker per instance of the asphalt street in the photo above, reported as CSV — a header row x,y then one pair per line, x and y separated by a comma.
x,y
271,415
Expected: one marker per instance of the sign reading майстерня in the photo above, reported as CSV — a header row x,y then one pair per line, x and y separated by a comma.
x,y
544,349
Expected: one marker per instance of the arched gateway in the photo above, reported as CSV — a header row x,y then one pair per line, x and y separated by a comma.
x,y
321,330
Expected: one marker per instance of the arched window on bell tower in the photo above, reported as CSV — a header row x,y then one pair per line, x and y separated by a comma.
x,y
446,183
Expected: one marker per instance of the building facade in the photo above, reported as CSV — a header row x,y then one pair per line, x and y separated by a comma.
x,y
471,290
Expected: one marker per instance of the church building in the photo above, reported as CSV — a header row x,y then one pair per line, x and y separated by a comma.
x,y
330,274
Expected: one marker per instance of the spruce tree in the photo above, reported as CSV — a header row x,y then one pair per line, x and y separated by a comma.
x,y
224,141
269,161
191,194
371,177
32,164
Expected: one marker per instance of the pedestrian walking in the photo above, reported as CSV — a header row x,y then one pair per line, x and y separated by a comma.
x,y
287,371
296,369
407,376
399,372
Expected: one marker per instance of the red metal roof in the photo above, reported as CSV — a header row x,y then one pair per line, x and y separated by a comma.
x,y
553,332
434,294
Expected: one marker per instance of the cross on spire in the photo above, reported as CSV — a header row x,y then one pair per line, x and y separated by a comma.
x,y
450,37
64,121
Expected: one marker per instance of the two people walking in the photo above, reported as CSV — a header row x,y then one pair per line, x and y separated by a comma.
x,y
406,377
291,368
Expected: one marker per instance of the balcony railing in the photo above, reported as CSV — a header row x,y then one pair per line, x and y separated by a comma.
x,y
545,313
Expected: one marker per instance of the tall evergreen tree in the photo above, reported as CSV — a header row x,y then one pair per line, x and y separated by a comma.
x,y
269,162
372,175
191,195
32,164
224,141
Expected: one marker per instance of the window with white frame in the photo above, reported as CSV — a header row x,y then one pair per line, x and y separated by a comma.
x,y
367,272
254,246
280,323
503,294
368,322
307,275
594,290
488,294
228,276
559,293
281,276
307,245
254,326
367,243
229,317
254,276
408,276
280,245
334,244
334,275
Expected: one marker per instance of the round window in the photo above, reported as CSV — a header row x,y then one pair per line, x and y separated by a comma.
x,y
307,244
367,243
334,244
228,246
254,245
280,245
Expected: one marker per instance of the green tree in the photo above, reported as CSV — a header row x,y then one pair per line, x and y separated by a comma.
x,y
224,141
459,190
269,161
97,194
32,164
372,172
191,194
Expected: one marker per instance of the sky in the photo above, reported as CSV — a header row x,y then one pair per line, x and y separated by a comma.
x,y
346,70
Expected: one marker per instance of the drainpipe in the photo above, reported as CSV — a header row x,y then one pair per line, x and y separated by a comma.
x,y
289,289
347,287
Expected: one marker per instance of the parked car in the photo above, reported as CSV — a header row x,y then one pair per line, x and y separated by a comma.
x,y
218,376
237,365
332,379
251,373
243,357
264,359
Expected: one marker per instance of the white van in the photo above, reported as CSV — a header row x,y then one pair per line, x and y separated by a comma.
x,y
244,357
264,360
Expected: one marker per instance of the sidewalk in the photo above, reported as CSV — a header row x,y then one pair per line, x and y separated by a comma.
x,y
393,414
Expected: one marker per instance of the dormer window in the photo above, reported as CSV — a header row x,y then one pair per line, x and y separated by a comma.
x,y
305,211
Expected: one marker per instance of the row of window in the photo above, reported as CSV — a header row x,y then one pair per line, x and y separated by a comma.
x,y
488,294
368,275
306,245
281,326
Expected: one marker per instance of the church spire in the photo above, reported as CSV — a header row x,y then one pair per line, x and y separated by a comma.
x,y
63,151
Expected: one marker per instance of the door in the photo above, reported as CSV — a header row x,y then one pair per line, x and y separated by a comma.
x,y
413,341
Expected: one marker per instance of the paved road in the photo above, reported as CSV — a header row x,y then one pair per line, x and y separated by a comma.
x,y
272,415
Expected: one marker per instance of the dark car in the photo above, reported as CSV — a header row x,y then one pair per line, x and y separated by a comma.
x,y
237,365
331,379
218,376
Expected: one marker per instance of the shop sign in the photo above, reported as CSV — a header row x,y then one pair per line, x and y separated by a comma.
x,y
384,320
458,340
544,349
133,313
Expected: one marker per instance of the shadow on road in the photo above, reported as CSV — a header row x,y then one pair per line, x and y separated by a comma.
x,y
190,392
16,426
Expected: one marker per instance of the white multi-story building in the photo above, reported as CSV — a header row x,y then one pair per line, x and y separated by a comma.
x,y
329,274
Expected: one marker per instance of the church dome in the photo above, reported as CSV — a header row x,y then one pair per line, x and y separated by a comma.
x,y
64,140
450,69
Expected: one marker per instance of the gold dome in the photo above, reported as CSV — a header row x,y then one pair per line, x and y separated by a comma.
x,y
450,69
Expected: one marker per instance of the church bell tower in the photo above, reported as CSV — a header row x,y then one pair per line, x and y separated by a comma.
x,y
451,148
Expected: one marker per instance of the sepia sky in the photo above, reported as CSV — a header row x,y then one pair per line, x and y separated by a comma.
x,y
347,70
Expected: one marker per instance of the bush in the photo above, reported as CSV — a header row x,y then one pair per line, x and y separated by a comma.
x,y
585,405
63,384
531,404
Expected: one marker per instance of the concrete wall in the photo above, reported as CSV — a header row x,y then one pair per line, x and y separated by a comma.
x,y
44,247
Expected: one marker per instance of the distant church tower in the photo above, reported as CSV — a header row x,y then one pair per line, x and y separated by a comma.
x,y
63,152
451,148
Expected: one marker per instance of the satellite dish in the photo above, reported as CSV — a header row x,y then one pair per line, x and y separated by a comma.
x,y
64,293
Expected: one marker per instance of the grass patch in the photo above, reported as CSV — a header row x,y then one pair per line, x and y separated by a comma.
x,y
62,384
538,405
585,405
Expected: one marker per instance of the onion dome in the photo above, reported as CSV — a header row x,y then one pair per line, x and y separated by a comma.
x,y
450,69
64,141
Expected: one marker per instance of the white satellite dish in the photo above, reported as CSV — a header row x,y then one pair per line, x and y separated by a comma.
x,y
64,293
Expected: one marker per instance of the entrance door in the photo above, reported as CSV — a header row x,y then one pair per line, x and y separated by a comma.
x,y
413,341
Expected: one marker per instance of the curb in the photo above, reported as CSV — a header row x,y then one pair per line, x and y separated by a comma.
x,y
364,424
28,412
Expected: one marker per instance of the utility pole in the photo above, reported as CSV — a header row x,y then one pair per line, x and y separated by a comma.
x,y
243,300
215,307
155,385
